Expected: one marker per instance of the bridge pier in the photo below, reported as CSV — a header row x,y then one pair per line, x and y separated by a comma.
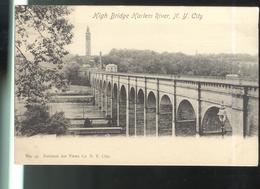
x,y
105,102
198,116
165,116
123,110
94,95
174,120
109,106
101,99
135,109
140,115
132,112
127,115
102,93
106,97
118,102
127,106
110,93
115,105
145,106
151,116
98,97
239,110
135,122
173,123
157,108
118,112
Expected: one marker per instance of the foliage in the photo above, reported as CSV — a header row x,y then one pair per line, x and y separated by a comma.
x,y
81,59
17,125
71,71
146,61
41,34
57,124
74,75
38,121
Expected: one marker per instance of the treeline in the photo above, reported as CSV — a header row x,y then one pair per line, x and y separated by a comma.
x,y
146,61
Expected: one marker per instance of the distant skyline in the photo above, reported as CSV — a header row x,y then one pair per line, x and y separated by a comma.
x,y
221,30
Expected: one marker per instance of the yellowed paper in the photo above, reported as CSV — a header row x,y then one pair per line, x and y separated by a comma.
x,y
121,117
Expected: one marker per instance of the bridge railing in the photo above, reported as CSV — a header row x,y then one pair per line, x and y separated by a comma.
x,y
205,79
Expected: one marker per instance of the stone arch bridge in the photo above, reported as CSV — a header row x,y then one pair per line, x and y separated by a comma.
x,y
150,105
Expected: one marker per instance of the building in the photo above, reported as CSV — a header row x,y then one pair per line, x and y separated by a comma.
x,y
111,68
88,43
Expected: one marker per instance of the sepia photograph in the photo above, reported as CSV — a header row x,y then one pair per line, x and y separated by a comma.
x,y
136,85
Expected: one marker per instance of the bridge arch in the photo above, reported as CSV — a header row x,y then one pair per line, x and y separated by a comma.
x,y
122,107
132,112
114,105
165,116
140,113
186,119
211,123
151,115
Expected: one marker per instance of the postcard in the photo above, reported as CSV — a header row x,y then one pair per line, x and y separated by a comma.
x,y
136,85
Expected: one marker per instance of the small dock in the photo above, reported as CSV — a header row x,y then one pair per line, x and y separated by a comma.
x,y
100,126
96,122
65,98
95,131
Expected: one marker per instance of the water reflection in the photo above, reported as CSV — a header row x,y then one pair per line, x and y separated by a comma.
x,y
76,110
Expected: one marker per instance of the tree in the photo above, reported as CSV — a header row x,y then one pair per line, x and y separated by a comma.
x,y
71,71
39,121
146,61
41,34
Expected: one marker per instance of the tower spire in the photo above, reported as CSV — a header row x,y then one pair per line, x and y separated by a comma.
x,y
88,43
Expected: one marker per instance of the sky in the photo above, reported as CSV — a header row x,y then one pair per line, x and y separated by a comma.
x,y
205,30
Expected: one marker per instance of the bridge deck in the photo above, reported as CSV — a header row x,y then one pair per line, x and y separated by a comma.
x,y
207,79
